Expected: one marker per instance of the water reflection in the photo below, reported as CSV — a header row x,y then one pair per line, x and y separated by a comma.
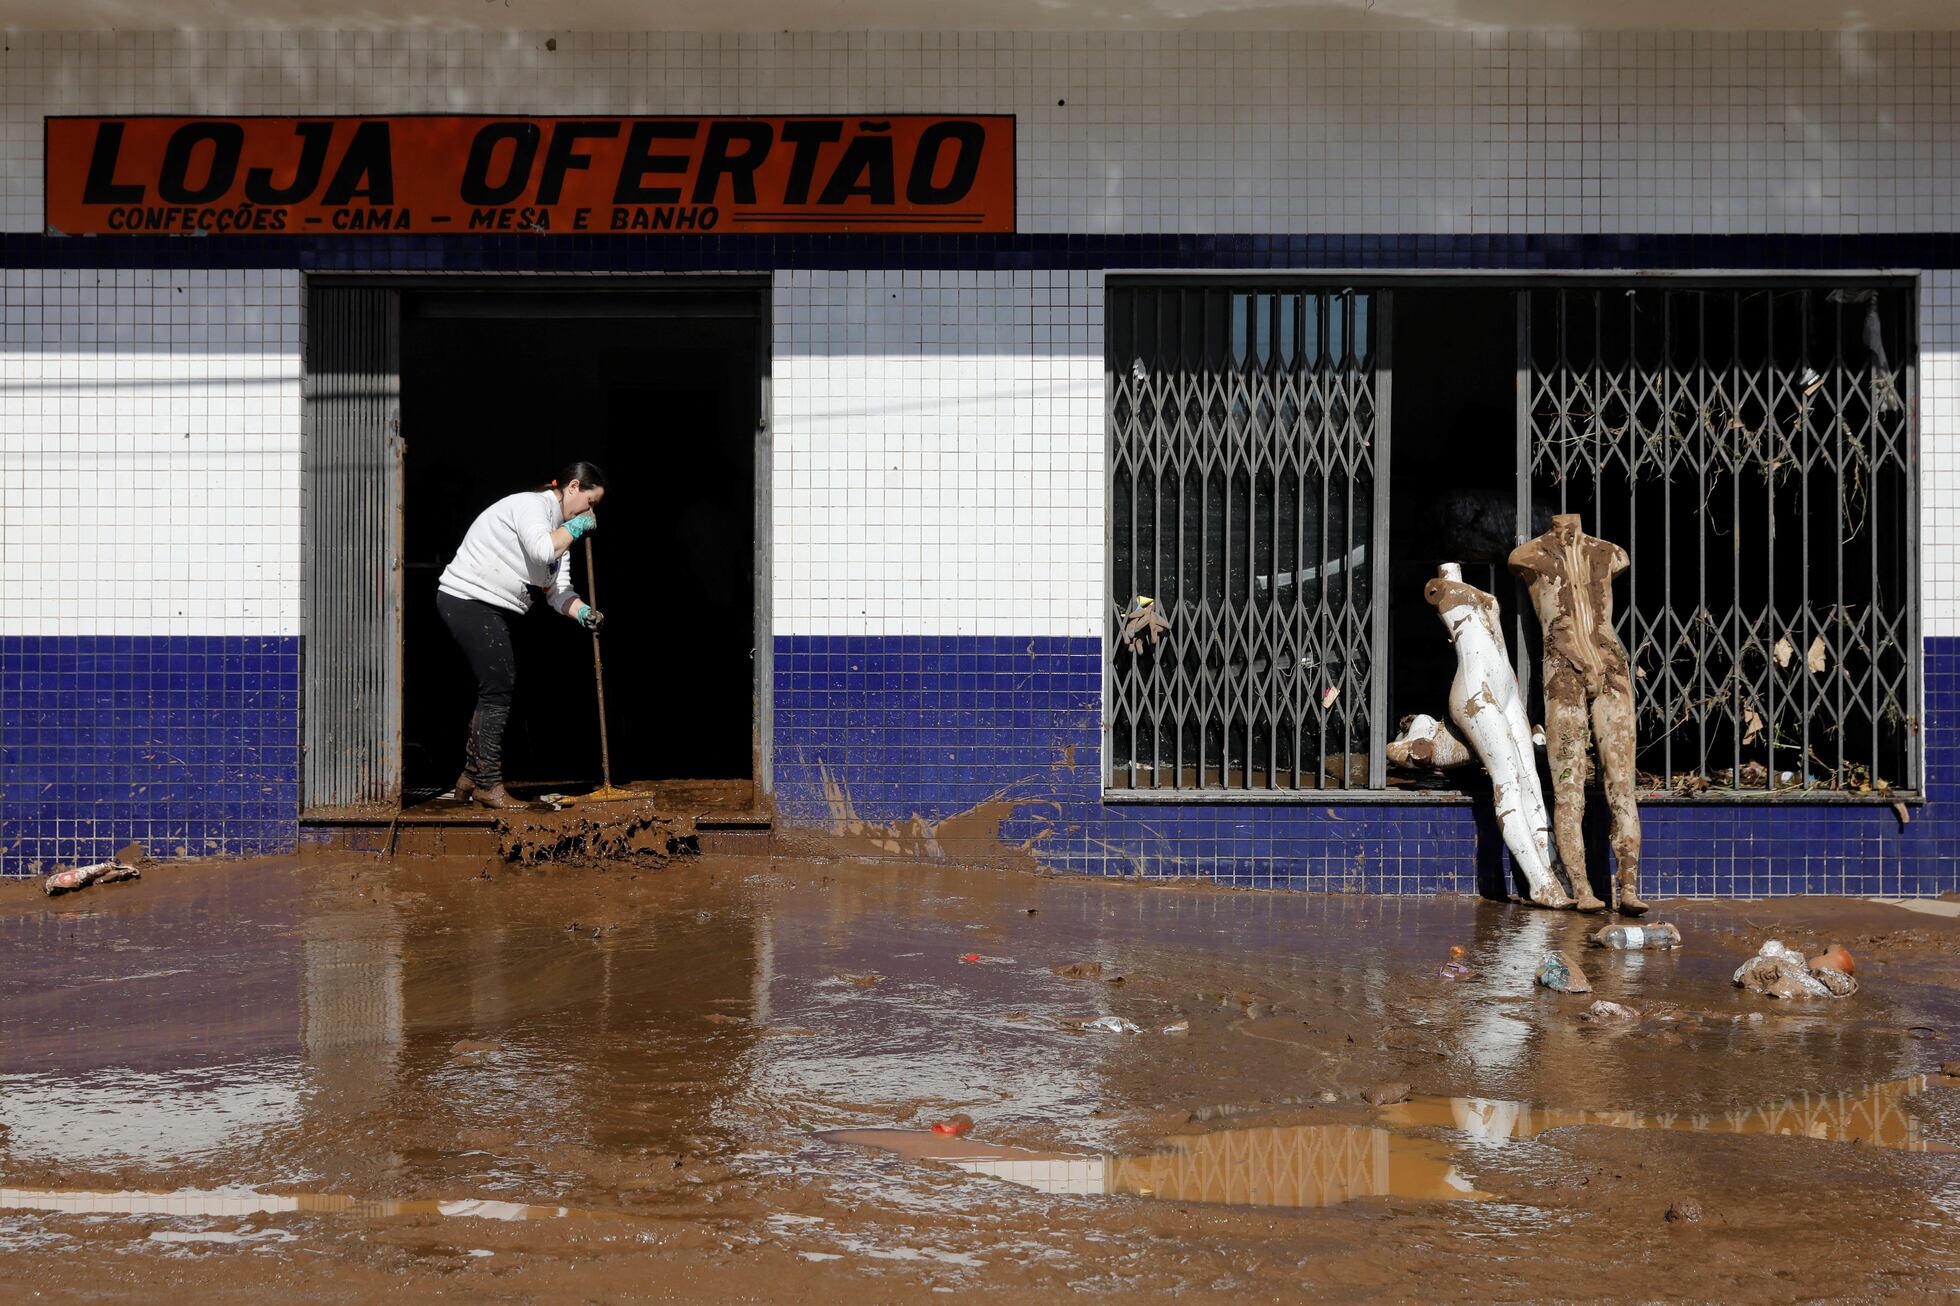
x,y
303,1020
1875,1115
1278,1165
220,1204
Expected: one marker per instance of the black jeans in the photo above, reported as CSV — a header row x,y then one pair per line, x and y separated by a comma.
x,y
484,632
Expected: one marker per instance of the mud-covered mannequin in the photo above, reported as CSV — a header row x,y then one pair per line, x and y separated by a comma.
x,y
1588,697
1488,708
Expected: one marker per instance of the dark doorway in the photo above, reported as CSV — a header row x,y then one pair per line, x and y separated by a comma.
x,y
1453,472
663,392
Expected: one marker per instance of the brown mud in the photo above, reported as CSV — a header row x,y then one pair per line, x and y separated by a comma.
x,y
635,832
337,1078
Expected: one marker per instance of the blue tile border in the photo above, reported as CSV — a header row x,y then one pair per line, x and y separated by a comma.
x,y
901,735
188,744
1000,253
191,745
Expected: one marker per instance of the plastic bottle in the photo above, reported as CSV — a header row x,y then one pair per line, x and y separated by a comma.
x,y
1637,938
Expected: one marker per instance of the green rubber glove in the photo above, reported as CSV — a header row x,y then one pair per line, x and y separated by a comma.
x,y
590,617
582,523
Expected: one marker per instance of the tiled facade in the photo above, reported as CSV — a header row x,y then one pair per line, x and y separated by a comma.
x,y
938,432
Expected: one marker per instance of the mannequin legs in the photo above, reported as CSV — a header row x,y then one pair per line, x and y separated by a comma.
x,y
1613,724
1568,736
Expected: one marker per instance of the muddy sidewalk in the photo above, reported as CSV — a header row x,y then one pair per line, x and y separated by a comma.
x,y
343,1078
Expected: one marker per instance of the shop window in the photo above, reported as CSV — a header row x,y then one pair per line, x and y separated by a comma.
x,y
1751,445
1753,448
1247,427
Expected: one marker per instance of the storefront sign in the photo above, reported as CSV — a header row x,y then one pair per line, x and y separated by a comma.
x,y
440,174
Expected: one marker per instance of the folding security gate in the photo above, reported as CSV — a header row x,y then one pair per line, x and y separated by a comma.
x,y
351,471
1248,500
1754,449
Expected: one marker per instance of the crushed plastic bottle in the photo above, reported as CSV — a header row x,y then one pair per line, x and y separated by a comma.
x,y
1637,938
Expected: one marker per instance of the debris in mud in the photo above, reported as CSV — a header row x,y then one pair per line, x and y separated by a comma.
x,y
639,836
1835,957
1683,1210
1143,620
862,981
1178,1027
77,878
1561,973
1951,1069
1387,1094
1636,938
1782,972
954,1124
1080,970
1604,1010
1453,971
1111,1025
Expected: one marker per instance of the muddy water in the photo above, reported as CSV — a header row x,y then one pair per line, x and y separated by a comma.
x,y
661,1050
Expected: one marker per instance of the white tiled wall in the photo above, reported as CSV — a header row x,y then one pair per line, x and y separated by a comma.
x,y
149,452
1299,131
1939,444
938,436
938,453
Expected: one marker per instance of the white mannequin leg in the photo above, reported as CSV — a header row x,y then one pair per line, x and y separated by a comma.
x,y
1486,706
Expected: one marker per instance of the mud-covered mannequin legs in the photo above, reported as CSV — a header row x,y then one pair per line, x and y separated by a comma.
x,y
1568,736
1613,737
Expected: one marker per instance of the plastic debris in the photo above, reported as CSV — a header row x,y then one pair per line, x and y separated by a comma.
x,y
1781,972
1453,971
1636,938
1835,957
80,877
957,1124
1143,619
1604,1010
1113,1025
1561,972
970,956
1178,1027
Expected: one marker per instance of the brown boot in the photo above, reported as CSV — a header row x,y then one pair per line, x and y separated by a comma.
x,y
497,798
1628,902
465,787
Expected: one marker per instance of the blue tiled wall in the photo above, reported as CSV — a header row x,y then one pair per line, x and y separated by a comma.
x,y
188,744
886,730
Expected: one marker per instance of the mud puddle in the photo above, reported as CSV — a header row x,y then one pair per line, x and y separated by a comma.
x,y
1875,1116
1311,1165
662,1044
1292,1166
222,1204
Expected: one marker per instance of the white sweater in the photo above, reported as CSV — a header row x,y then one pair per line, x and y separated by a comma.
x,y
508,547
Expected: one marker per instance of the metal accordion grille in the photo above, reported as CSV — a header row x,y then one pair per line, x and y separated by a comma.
x,y
1248,444
1753,448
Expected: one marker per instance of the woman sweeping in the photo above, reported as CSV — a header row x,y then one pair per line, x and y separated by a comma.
x,y
518,543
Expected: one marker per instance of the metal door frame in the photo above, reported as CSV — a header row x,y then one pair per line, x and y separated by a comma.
x,y
378,387
591,291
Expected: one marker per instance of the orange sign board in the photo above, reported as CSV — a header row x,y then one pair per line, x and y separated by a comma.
x,y
484,173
